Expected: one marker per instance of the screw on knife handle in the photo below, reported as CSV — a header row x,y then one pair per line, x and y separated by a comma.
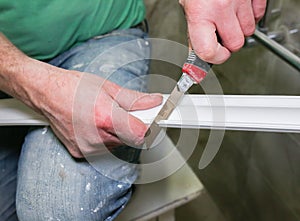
x,y
195,67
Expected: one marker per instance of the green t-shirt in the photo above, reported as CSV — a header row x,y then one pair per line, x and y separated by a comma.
x,y
42,29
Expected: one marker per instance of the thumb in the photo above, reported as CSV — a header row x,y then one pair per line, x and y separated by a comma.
x,y
132,100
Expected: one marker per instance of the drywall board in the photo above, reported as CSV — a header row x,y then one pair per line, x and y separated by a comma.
x,y
229,112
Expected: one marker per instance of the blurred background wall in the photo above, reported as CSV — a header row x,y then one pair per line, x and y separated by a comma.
x,y
255,175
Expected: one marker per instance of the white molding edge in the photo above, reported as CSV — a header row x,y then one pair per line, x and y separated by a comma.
x,y
229,112
14,112
233,112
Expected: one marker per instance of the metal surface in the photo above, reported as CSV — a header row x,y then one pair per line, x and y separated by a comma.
x,y
279,50
164,113
194,71
277,36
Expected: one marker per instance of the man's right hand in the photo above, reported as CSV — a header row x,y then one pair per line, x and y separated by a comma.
x,y
231,19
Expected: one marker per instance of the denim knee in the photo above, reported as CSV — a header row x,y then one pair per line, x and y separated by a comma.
x,y
52,185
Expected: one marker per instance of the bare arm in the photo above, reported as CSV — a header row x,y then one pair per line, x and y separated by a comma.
x,y
51,92
27,79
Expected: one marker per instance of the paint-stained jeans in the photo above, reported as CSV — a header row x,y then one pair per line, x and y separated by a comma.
x,y
42,179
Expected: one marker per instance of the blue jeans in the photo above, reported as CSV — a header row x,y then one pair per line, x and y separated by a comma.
x,y
40,180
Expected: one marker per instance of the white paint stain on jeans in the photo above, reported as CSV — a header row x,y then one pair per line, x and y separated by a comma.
x,y
88,187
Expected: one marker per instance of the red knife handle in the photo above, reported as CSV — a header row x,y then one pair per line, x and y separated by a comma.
x,y
195,67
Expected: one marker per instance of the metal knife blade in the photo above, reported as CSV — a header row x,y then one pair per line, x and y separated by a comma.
x,y
176,95
194,71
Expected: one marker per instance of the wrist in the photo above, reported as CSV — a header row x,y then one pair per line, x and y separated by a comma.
x,y
45,87
35,83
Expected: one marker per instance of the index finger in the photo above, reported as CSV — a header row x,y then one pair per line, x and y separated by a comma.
x,y
259,7
205,42
129,129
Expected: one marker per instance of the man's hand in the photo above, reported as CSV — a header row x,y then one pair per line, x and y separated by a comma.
x,y
231,19
90,116
88,113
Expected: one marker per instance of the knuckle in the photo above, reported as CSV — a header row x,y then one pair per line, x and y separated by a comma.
x,y
138,141
249,29
224,3
206,53
103,121
236,44
260,13
104,117
259,9
76,154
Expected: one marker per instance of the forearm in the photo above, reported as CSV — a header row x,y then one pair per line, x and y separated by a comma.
x,y
31,81
11,60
